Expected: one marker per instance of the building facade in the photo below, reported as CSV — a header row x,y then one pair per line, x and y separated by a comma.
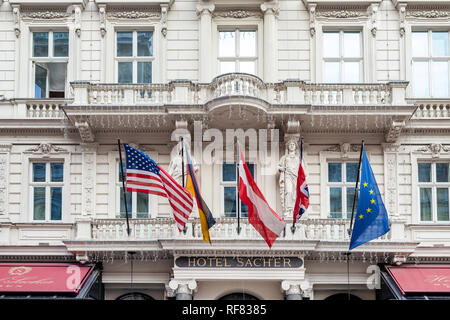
x,y
76,75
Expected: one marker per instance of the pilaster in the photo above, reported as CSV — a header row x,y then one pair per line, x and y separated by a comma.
x,y
183,289
89,152
270,10
204,11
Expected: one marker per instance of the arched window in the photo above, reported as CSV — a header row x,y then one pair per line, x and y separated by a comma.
x,y
238,296
342,297
135,296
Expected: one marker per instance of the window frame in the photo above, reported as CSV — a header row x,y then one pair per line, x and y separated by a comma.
x,y
237,58
47,184
427,157
343,185
118,193
134,58
430,59
326,157
224,184
433,185
368,45
341,59
219,24
50,58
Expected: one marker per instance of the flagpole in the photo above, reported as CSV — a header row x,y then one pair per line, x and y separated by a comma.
x,y
123,186
356,187
237,189
351,219
301,159
182,173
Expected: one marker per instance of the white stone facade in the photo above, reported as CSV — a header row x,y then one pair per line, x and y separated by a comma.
x,y
288,92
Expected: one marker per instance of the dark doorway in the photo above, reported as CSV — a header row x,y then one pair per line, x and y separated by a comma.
x,y
135,296
342,297
238,296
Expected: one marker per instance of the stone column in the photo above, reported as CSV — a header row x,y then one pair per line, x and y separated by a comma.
x,y
204,10
271,11
183,289
292,290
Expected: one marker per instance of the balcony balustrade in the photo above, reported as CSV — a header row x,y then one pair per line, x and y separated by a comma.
x,y
224,229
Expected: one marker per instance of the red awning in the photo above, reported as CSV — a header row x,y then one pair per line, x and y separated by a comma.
x,y
43,277
421,278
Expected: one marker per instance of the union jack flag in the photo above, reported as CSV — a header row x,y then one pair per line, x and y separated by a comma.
x,y
145,175
302,199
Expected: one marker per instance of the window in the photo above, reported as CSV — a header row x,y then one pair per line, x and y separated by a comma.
x,y
237,51
138,203
50,56
341,185
47,185
134,56
342,56
229,190
430,63
434,186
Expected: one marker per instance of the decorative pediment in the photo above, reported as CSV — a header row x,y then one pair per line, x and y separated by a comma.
x,y
421,10
358,10
237,13
435,148
133,14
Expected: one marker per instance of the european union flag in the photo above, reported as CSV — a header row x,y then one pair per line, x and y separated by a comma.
x,y
371,219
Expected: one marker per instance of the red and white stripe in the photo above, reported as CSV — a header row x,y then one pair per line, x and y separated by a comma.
x,y
164,185
261,216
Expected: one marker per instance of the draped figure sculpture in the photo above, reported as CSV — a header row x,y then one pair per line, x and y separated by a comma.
x,y
288,168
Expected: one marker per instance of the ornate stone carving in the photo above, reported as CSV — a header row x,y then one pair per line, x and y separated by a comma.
x,y
46,148
288,168
47,14
339,14
435,149
102,13
164,9
89,150
312,18
133,14
85,131
373,16
16,15
394,131
237,14
402,14
77,20
428,14
176,165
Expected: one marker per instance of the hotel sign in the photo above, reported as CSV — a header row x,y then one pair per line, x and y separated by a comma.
x,y
239,262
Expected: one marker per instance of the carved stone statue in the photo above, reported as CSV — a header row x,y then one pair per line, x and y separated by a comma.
x,y
288,168
175,166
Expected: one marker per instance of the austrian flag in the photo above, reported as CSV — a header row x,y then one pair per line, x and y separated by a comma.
x,y
260,215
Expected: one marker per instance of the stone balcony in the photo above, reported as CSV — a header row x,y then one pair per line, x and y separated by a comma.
x,y
227,97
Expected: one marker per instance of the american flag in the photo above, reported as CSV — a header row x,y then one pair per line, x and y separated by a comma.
x,y
145,175
302,199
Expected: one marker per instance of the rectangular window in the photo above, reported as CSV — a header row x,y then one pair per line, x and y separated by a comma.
x,y
341,185
230,198
237,51
47,183
434,187
138,203
134,56
430,64
342,57
50,57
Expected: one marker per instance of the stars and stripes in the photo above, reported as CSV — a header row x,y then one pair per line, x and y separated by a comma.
x,y
145,175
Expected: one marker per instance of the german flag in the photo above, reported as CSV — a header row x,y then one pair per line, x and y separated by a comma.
x,y
206,218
